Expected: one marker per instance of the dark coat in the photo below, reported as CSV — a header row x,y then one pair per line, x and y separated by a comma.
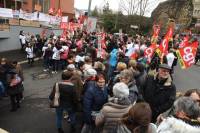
x,y
14,90
93,100
68,97
160,95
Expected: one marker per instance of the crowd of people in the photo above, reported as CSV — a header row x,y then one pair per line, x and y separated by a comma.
x,y
115,88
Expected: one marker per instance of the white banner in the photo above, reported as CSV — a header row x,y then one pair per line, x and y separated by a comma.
x,y
16,13
44,17
26,16
5,12
55,20
91,24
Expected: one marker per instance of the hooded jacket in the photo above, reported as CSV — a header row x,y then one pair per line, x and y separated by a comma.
x,y
112,112
174,125
159,94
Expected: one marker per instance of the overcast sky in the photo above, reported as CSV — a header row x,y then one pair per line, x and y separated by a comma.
x,y
114,4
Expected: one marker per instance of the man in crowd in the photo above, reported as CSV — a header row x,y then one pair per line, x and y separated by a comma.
x,y
159,91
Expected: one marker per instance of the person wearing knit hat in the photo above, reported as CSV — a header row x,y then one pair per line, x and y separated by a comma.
x,y
112,112
120,90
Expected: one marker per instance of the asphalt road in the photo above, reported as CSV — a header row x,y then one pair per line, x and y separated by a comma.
x,y
35,116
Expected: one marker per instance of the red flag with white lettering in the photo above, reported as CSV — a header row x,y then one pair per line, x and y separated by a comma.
x,y
148,52
186,55
163,47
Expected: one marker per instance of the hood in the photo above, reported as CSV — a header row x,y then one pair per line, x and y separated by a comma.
x,y
173,125
168,82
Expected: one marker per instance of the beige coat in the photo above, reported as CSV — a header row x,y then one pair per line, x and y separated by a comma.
x,y
111,114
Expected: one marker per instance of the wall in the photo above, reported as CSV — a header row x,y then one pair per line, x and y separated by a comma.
x,y
12,42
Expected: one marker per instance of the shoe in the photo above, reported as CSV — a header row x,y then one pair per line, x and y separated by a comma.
x,y
56,72
60,130
45,70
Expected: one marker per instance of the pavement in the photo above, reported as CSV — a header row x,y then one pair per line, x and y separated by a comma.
x,y
35,116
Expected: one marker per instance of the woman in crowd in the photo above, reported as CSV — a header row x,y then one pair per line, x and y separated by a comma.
x,y
94,99
67,100
19,72
22,39
14,89
113,111
137,120
186,113
126,76
47,54
30,54
56,57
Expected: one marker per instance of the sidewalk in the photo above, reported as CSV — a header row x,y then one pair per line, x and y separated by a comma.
x,y
15,55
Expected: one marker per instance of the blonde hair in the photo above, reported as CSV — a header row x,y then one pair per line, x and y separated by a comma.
x,y
121,66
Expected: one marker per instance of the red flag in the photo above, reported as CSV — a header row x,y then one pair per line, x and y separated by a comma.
x,y
163,47
184,42
156,30
52,7
148,52
186,55
59,13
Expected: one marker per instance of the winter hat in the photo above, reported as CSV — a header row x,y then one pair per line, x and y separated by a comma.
x,y
90,72
120,90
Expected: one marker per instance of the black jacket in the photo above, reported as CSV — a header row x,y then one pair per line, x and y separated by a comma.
x,y
68,97
160,95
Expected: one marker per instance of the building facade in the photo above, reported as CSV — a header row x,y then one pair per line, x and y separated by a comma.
x,y
67,6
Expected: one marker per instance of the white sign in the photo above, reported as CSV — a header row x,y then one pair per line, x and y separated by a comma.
x,y
91,24
5,12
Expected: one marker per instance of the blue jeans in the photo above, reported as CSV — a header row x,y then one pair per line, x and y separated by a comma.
x,y
2,89
59,116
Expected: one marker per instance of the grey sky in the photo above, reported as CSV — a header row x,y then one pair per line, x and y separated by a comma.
x,y
114,4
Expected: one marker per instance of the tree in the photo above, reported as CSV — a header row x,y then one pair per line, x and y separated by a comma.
x,y
95,12
131,7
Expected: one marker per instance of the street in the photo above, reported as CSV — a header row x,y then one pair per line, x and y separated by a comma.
x,y
35,116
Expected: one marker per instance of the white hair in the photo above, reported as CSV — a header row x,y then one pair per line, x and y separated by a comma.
x,y
120,90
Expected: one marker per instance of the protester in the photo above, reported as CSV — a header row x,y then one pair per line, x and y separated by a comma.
x,y
159,91
94,99
57,49
185,119
137,120
47,54
117,106
22,39
19,71
67,101
14,90
126,76
30,54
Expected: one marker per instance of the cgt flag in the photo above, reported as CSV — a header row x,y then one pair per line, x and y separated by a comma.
x,y
163,47
148,52
186,55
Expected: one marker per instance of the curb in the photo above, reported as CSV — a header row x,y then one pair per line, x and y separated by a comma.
x,y
26,61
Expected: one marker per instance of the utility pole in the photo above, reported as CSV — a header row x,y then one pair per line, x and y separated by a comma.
x,y
89,6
